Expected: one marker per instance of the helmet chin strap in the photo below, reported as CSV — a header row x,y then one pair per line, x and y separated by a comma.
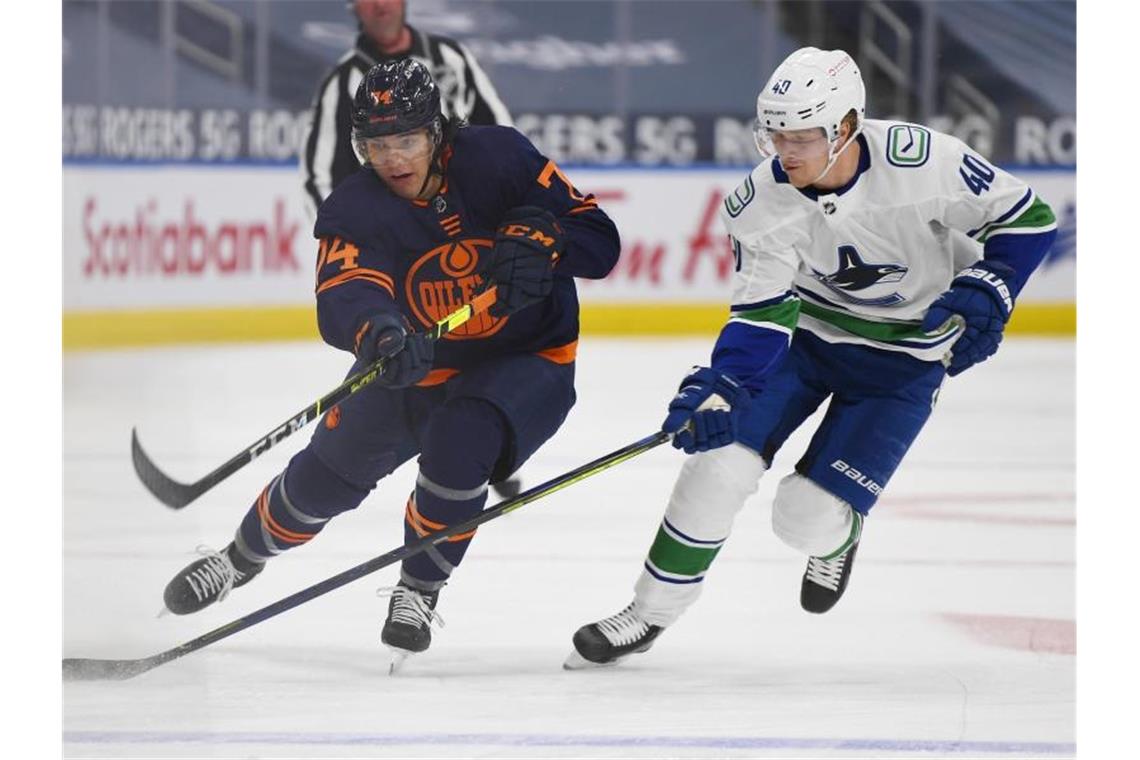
x,y
431,172
435,166
833,155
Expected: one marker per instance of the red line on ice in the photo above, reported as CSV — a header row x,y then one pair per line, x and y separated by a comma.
x,y
915,507
1049,635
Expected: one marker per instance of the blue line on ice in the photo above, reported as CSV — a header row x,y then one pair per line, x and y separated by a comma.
x,y
555,740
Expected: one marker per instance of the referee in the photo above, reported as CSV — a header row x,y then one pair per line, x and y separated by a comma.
x,y
327,156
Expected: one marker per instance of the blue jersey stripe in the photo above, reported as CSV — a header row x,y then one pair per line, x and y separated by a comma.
x,y
1004,217
762,304
672,528
667,579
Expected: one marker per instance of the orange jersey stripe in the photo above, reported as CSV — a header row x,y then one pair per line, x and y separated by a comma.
x,y
370,275
414,513
271,525
561,354
421,524
437,377
360,334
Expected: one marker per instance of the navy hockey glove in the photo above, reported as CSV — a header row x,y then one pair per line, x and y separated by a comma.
x,y
706,413
527,244
981,296
409,354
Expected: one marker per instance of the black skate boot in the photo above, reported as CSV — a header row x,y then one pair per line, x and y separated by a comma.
x,y
825,580
208,580
509,488
610,640
407,630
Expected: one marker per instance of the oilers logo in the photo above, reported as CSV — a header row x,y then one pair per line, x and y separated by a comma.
x,y
444,279
854,275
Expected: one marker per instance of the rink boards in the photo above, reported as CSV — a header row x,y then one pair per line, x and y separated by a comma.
x,y
189,253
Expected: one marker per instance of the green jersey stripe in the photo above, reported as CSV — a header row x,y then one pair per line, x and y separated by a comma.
x,y
884,332
671,556
1037,216
784,314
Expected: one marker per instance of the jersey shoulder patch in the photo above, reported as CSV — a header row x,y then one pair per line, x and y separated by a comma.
x,y
908,145
736,201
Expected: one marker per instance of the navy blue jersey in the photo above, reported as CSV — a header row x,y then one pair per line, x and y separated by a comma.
x,y
424,259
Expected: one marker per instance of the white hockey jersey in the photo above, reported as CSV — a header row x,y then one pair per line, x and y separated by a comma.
x,y
862,264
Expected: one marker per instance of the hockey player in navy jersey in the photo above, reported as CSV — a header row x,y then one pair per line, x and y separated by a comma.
x,y
438,213
864,250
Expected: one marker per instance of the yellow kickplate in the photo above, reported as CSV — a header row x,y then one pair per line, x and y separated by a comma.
x,y
119,329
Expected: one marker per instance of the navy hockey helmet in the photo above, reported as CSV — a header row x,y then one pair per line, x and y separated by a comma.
x,y
396,96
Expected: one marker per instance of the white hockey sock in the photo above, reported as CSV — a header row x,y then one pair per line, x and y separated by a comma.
x,y
710,490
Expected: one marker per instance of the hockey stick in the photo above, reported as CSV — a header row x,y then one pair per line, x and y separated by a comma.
x,y
955,322
177,495
81,669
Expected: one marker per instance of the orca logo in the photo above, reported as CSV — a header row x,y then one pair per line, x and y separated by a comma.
x,y
854,274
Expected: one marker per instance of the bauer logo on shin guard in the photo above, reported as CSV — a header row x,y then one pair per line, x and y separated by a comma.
x,y
857,476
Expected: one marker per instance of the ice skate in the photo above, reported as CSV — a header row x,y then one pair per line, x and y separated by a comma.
x,y
407,630
608,641
208,580
825,580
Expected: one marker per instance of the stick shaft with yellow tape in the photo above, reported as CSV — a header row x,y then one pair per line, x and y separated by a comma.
x,y
177,495
84,669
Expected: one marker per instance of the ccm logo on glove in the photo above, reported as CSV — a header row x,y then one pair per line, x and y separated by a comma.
x,y
530,233
527,246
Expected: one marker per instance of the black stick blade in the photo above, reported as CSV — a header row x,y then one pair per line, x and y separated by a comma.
x,y
170,492
80,669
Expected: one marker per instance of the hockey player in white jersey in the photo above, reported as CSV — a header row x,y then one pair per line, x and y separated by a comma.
x,y
873,258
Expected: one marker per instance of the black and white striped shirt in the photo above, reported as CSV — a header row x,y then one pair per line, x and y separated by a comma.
x,y
327,156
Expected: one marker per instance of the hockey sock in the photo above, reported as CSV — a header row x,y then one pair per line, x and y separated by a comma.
x,y
709,492
462,444
294,507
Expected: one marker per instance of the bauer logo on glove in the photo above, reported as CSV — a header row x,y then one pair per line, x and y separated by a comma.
x,y
995,282
979,297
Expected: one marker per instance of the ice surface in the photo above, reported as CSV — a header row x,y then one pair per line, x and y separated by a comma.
x,y
955,637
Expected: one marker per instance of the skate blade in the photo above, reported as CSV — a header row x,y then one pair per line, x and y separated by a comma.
x,y
399,657
576,661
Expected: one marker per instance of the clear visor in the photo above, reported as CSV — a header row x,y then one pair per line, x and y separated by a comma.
x,y
401,148
800,144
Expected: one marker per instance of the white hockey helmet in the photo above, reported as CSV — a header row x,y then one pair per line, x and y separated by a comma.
x,y
811,88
